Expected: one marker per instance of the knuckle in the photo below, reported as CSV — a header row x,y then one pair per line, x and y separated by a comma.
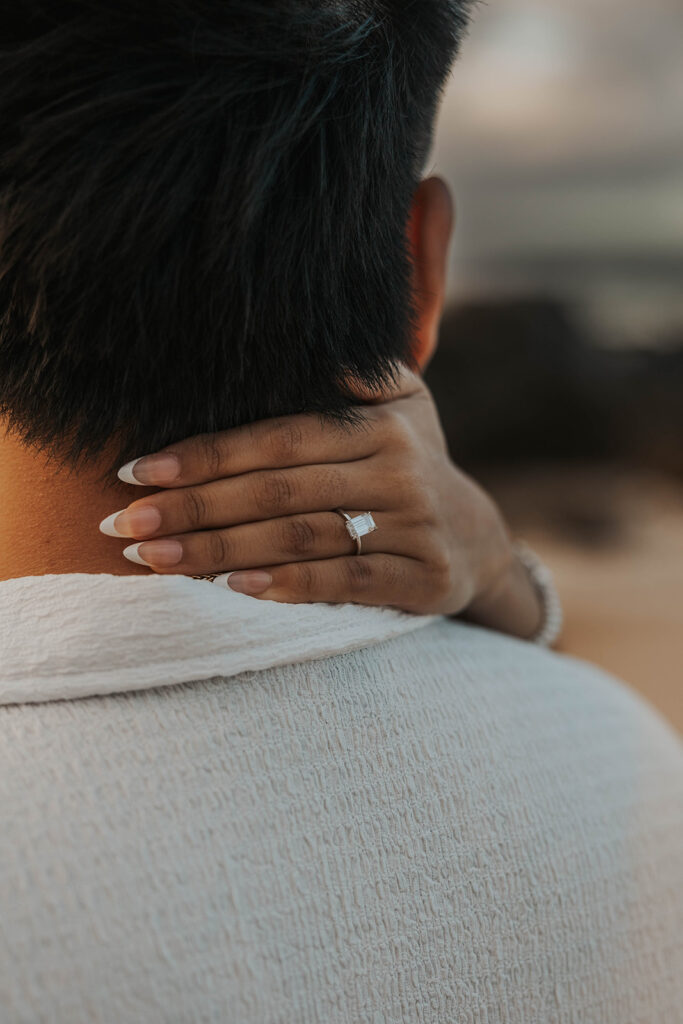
x,y
195,508
298,537
380,416
404,438
274,493
211,454
359,574
286,441
368,424
393,575
398,434
438,558
405,484
305,580
424,525
425,521
219,549
328,480
384,427
439,578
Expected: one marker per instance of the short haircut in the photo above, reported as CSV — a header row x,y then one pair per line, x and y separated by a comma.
x,y
203,209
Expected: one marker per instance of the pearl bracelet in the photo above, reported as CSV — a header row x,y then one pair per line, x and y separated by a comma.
x,y
544,585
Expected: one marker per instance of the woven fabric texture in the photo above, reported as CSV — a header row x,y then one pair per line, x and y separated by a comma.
x,y
443,827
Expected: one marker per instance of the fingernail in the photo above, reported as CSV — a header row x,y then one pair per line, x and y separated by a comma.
x,y
160,553
249,582
151,470
134,522
222,580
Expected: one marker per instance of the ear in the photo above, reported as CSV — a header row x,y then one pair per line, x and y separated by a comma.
x,y
429,232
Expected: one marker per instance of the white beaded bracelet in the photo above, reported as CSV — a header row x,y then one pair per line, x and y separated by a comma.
x,y
544,585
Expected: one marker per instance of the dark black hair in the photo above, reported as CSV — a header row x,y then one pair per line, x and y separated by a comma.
x,y
203,209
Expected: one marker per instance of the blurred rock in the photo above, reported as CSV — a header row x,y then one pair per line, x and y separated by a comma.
x,y
516,382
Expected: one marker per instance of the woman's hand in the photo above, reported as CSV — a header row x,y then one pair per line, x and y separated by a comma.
x,y
258,501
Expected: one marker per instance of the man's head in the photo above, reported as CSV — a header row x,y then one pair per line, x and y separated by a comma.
x,y
205,209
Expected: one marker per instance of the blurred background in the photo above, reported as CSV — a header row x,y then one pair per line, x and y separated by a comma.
x,y
560,370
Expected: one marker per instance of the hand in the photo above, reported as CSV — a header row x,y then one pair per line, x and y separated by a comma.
x,y
257,502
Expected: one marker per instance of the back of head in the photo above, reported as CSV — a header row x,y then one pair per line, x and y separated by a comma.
x,y
203,209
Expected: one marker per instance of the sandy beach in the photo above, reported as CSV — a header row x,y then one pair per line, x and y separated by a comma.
x,y
620,574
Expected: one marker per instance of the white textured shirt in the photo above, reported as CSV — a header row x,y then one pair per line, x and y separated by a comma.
x,y
217,809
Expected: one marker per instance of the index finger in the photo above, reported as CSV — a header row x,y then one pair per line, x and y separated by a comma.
x,y
281,443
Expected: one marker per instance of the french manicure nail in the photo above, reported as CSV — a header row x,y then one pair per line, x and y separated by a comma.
x,y
159,553
151,470
222,580
134,522
252,583
108,526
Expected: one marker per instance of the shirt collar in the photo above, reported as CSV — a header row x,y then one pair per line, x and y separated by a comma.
x,y
81,635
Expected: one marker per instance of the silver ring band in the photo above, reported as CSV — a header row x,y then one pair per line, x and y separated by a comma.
x,y
358,527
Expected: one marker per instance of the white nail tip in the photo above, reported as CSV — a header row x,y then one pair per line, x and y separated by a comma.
x,y
126,473
222,580
107,526
132,554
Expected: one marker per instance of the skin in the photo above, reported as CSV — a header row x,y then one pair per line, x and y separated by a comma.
x,y
259,499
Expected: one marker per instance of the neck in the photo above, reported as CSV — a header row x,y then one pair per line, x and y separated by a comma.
x,y
49,516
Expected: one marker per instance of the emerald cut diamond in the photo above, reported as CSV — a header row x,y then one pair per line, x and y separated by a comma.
x,y
361,526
